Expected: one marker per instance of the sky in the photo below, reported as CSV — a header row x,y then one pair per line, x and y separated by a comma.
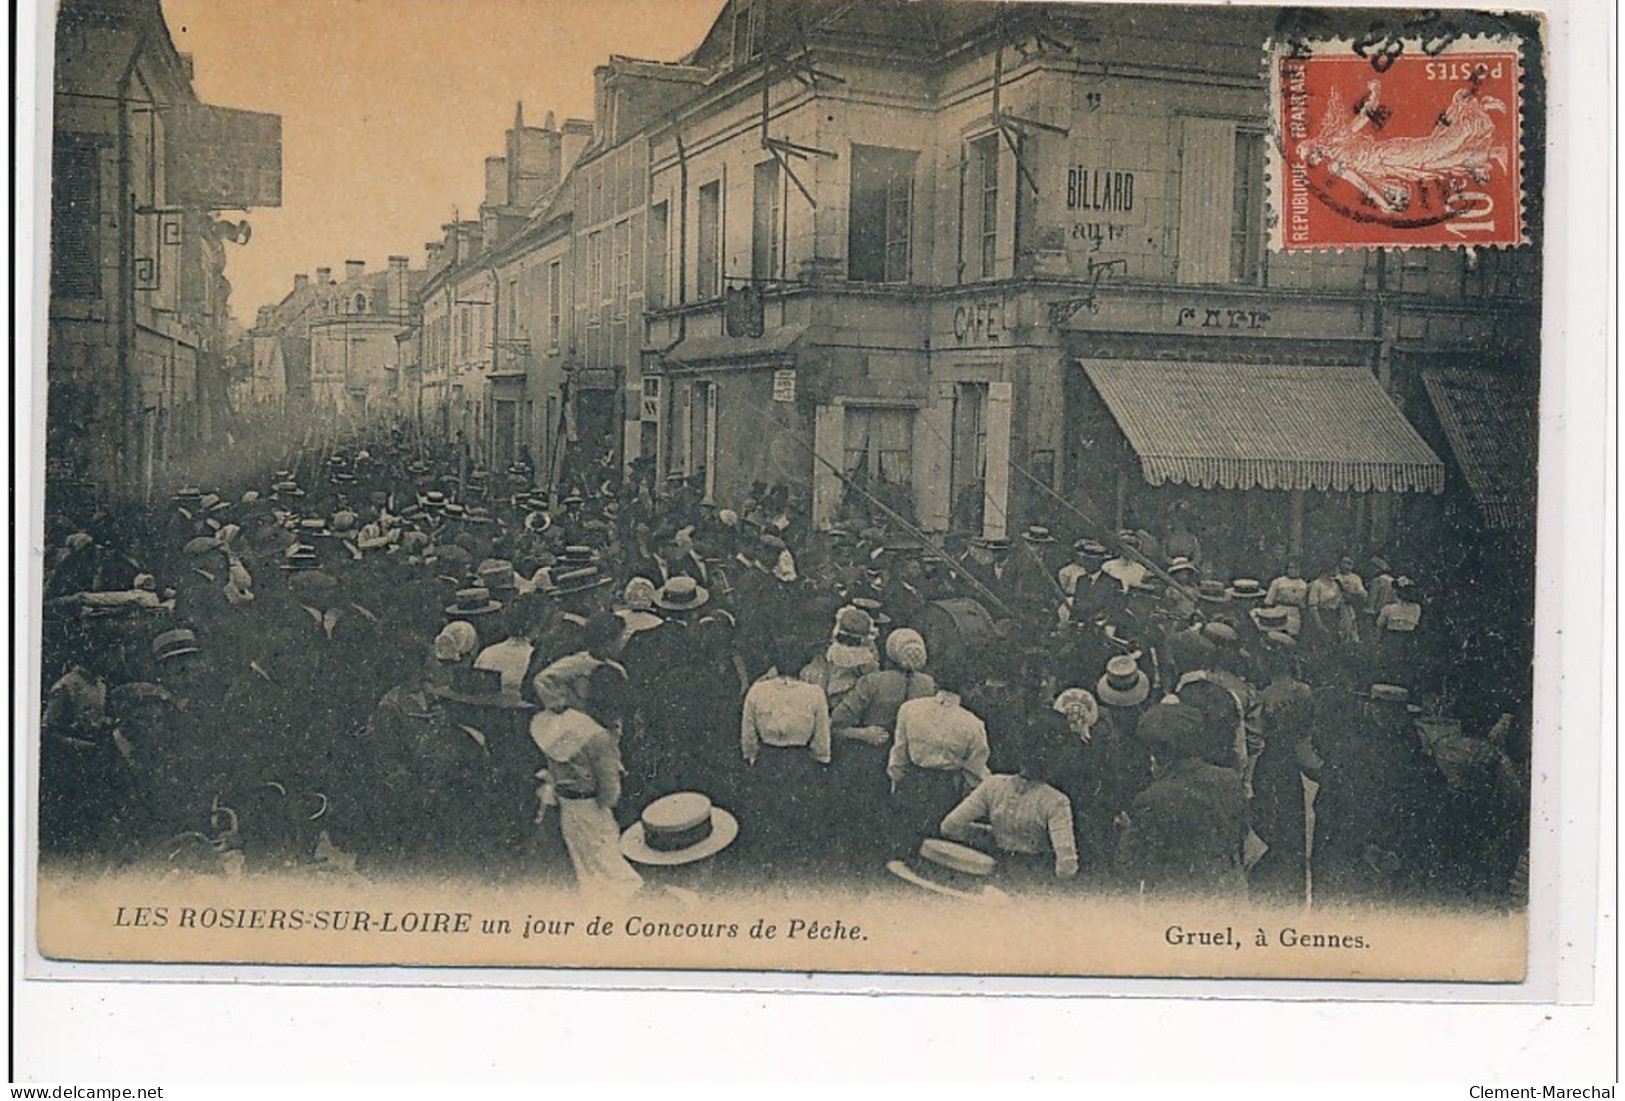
x,y
390,107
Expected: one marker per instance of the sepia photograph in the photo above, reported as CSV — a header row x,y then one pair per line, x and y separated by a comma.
x,y
899,487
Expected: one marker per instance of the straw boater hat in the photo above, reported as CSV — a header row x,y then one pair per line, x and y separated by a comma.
x,y
1124,683
875,609
1037,533
480,688
1181,565
300,556
679,829
578,581
174,644
1270,619
537,520
497,575
946,868
681,594
1213,592
432,501
473,601
1245,588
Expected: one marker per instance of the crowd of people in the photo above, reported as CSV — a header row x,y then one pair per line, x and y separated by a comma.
x,y
387,660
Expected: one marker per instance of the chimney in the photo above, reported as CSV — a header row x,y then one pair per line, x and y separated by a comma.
x,y
324,276
301,281
496,181
534,164
575,137
395,285
262,317
603,110
354,269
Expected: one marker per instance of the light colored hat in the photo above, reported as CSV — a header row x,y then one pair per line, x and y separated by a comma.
x,y
1078,706
464,635
681,593
679,829
947,868
1246,588
445,647
640,594
1124,683
785,568
905,647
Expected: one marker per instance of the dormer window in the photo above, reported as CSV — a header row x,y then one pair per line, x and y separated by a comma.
x,y
750,19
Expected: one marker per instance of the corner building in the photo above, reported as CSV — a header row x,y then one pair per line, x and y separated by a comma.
x,y
984,262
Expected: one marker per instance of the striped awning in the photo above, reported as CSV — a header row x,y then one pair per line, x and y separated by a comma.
x,y
1491,429
1250,426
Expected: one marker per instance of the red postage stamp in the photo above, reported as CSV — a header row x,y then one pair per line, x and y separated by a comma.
x,y
1406,151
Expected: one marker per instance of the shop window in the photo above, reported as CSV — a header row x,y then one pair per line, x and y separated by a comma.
x,y
708,260
1247,215
878,461
881,214
767,210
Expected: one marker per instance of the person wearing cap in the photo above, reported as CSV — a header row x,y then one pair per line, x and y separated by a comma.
x,y
1184,835
583,779
1181,541
1022,817
939,753
784,738
850,655
430,773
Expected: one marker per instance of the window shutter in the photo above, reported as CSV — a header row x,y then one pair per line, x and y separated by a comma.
x,y
933,458
996,494
1207,173
829,439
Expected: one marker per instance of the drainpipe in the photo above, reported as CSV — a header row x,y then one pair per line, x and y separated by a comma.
x,y
125,339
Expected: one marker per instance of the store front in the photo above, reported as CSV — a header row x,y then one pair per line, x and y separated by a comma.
x,y
1264,461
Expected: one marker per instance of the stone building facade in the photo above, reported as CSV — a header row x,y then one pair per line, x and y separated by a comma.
x,y
138,386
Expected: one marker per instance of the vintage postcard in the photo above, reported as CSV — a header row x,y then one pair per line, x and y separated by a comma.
x,y
919,488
